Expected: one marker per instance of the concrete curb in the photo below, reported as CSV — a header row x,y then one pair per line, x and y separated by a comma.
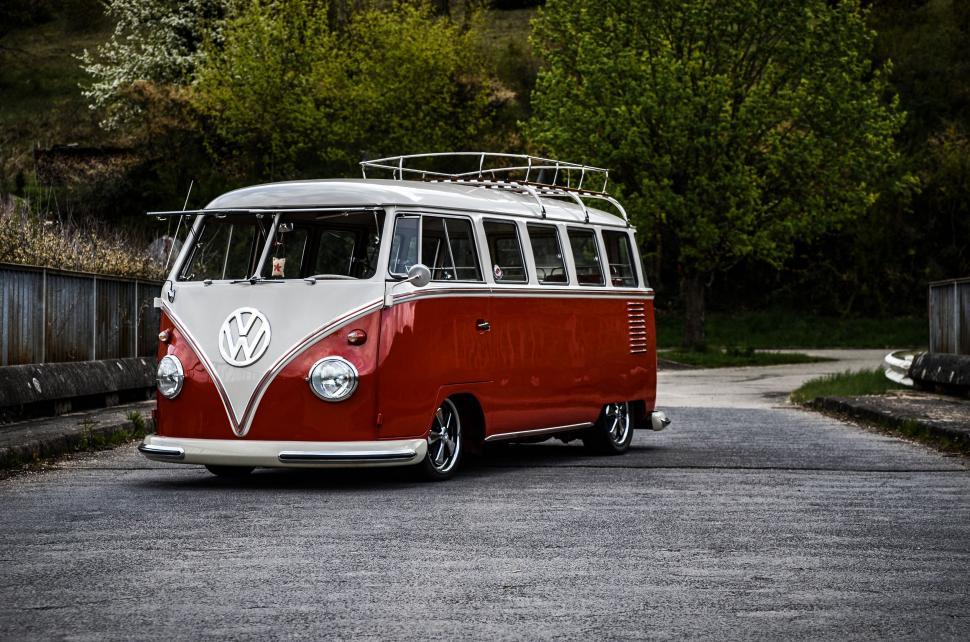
x,y
36,441
864,409
40,390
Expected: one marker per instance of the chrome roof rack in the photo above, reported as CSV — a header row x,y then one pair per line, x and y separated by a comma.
x,y
535,176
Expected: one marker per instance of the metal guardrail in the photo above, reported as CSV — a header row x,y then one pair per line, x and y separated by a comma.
x,y
949,303
49,315
896,366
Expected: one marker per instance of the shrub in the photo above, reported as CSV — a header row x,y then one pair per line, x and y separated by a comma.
x,y
28,238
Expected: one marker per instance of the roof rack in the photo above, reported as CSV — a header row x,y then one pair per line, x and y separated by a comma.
x,y
535,176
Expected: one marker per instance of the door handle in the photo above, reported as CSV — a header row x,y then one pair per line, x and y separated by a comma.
x,y
483,325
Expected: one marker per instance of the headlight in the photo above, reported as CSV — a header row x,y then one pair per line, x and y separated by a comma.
x,y
333,379
170,376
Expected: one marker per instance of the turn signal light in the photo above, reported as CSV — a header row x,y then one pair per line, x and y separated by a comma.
x,y
164,336
356,337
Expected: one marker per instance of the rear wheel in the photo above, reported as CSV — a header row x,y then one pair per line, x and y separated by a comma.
x,y
444,443
230,471
613,431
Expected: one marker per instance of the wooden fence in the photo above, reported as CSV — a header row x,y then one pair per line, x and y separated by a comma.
x,y
950,316
49,316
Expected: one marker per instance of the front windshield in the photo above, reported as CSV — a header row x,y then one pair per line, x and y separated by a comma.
x,y
322,245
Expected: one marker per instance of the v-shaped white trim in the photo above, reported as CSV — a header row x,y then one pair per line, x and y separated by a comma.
x,y
240,425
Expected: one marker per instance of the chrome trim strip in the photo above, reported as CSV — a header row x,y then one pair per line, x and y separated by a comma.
x,y
351,456
536,432
544,293
161,452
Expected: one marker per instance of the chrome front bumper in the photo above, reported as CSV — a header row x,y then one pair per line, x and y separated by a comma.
x,y
284,454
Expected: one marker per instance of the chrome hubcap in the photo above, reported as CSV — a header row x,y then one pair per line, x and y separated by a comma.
x,y
444,437
618,421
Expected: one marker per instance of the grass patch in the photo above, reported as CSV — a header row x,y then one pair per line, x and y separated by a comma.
x,y
928,435
92,437
845,384
767,329
736,357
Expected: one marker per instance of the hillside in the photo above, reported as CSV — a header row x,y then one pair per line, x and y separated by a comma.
x,y
40,99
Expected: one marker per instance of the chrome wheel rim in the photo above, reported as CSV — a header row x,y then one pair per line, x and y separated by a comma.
x,y
618,421
444,438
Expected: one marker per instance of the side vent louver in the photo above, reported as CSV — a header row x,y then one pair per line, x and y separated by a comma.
x,y
637,321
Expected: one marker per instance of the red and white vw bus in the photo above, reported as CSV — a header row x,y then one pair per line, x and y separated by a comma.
x,y
381,322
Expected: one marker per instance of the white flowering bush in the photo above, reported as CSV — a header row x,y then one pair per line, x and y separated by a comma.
x,y
154,41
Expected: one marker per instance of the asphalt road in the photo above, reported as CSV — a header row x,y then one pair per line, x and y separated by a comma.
x,y
746,519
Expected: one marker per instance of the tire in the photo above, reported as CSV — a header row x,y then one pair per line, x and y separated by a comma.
x,y
445,440
230,472
613,431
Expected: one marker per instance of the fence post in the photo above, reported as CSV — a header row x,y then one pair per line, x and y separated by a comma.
x,y
43,315
956,318
94,320
134,320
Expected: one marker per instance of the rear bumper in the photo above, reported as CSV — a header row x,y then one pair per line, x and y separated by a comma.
x,y
284,454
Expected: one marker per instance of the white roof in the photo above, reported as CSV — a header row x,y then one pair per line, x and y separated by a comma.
x,y
380,192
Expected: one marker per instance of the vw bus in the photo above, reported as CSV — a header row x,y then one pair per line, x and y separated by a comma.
x,y
405,320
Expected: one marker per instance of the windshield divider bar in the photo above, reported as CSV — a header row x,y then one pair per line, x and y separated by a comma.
x,y
270,238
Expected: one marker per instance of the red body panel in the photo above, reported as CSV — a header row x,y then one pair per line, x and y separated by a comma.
x,y
290,410
558,361
552,359
198,411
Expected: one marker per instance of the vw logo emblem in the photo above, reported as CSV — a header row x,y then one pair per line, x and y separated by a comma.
x,y
244,337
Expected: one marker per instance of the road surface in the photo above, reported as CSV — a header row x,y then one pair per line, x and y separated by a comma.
x,y
747,518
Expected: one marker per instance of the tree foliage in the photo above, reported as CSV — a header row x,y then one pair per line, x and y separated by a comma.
x,y
929,40
295,95
735,128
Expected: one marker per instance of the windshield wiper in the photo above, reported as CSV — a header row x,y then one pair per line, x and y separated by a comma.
x,y
253,280
313,279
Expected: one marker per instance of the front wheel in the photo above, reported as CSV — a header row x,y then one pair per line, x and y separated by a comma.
x,y
444,443
613,431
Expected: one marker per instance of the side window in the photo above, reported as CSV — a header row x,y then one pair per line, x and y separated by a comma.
x,y
404,245
547,251
586,256
505,252
448,249
620,259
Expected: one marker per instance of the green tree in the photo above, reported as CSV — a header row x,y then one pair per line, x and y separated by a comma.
x,y
296,95
734,128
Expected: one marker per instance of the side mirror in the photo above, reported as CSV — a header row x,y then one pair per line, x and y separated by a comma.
x,y
419,275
